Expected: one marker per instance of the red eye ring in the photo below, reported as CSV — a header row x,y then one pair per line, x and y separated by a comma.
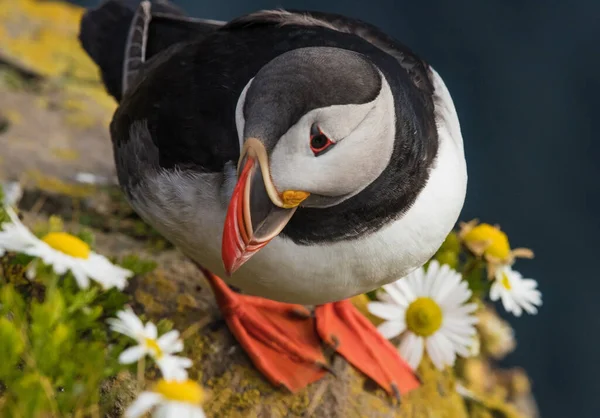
x,y
319,142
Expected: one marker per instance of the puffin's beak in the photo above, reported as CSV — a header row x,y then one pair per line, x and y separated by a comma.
x,y
257,213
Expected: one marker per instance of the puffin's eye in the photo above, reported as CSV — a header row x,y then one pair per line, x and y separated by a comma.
x,y
319,142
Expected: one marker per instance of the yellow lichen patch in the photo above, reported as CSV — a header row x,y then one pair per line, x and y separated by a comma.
x,y
437,396
195,345
252,396
77,93
185,302
65,154
55,185
42,38
13,116
81,121
490,403
151,306
163,285
475,372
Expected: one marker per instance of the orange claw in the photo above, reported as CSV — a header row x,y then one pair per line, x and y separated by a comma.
x,y
280,338
343,327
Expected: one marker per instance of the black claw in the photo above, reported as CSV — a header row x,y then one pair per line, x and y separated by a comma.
x,y
418,376
327,367
284,387
396,392
335,341
301,313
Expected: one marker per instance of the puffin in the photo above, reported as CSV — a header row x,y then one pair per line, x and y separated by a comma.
x,y
298,158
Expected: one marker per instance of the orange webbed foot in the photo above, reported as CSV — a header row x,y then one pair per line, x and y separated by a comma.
x,y
343,327
279,338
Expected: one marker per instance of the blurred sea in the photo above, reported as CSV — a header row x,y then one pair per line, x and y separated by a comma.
x,y
525,79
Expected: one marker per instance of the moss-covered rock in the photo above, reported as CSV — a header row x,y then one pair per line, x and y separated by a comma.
x,y
47,74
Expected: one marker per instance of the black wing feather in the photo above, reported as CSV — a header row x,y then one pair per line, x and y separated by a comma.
x,y
104,32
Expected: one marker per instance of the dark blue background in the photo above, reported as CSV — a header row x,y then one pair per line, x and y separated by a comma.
x,y
524,76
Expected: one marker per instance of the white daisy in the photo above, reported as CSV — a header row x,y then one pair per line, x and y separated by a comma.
x,y
64,252
172,399
517,293
428,309
160,349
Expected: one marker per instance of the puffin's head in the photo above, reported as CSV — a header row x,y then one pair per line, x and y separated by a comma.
x,y
316,126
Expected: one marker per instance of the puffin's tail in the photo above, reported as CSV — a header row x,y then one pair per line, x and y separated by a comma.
x,y
122,28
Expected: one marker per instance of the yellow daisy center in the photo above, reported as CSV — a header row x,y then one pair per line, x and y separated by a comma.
x,y
67,244
424,317
154,347
186,391
506,281
498,241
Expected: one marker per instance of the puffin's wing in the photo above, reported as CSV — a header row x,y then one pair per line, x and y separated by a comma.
x,y
417,69
136,44
119,35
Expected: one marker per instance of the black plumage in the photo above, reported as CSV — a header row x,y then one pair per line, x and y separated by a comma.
x,y
195,73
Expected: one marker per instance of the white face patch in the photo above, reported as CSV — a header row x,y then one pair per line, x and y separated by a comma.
x,y
364,140
240,121
364,135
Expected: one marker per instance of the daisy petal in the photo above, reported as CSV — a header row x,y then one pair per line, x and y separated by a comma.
x,y
385,310
435,352
173,367
150,331
391,329
168,338
144,402
132,354
435,302
411,349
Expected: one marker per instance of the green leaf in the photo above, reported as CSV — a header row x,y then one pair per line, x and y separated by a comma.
x,y
82,299
22,259
164,325
112,300
55,224
30,398
11,348
137,265
45,317
474,274
447,257
372,295
87,236
50,312
451,243
12,302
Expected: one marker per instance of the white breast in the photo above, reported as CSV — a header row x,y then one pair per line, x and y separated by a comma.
x,y
191,215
